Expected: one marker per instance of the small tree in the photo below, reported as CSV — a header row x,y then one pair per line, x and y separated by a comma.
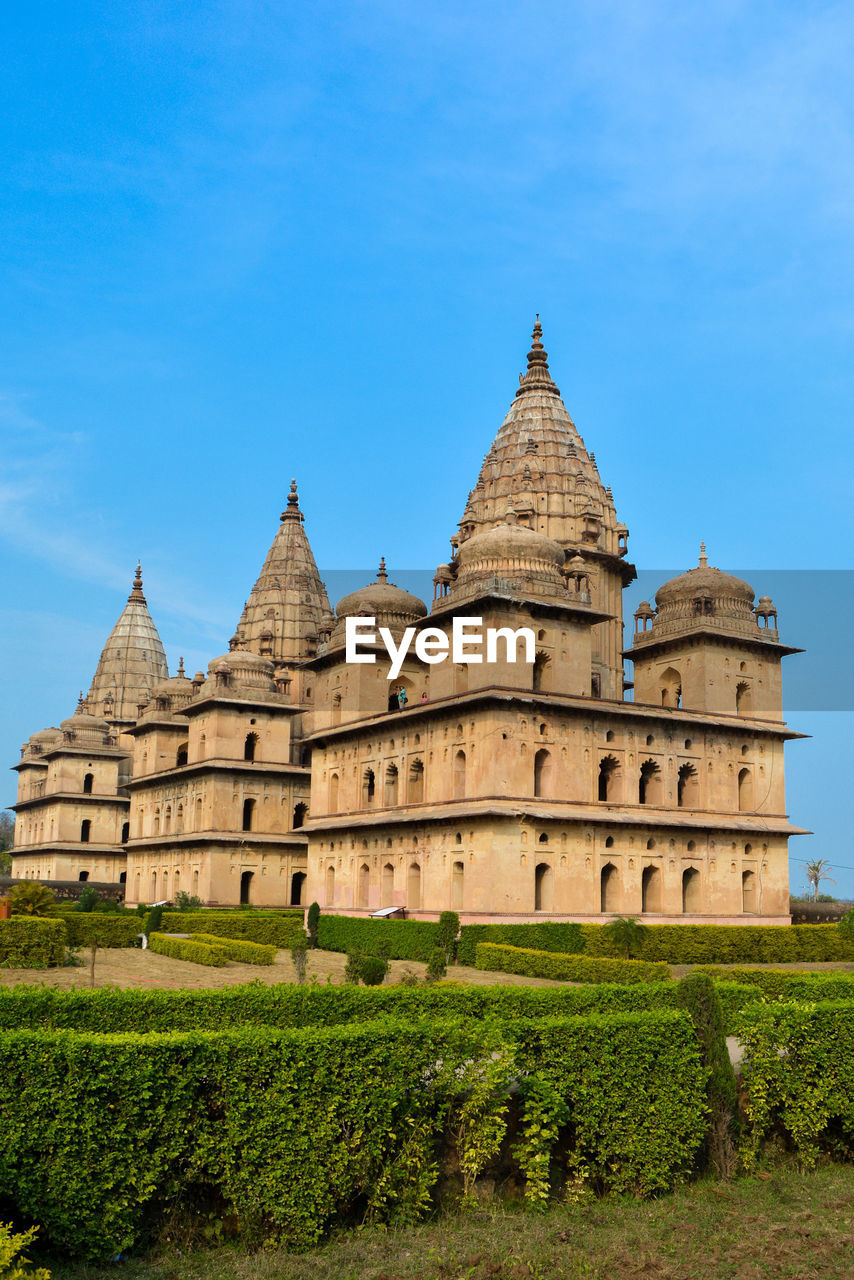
x,y
448,932
626,935
299,955
437,965
313,919
817,870
29,898
186,901
88,900
697,993
353,971
7,837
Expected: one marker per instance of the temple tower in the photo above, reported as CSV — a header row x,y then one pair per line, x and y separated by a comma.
x,y
132,662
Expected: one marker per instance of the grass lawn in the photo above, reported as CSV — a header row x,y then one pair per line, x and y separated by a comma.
x,y
781,1226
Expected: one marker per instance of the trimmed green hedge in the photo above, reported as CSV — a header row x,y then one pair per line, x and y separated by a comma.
x,y
238,948
293,1131
673,943
187,949
270,930
400,939
565,937
86,927
285,1005
31,942
551,964
790,984
798,1072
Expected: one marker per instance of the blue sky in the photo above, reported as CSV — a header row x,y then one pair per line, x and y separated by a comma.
x,y
247,241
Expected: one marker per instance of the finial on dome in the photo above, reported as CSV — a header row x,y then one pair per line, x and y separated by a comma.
x,y
703,558
136,593
382,576
181,668
81,704
292,511
537,375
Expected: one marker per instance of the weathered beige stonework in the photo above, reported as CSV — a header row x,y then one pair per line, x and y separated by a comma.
x,y
502,789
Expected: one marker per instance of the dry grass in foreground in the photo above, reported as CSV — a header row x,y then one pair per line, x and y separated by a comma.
x,y
781,1226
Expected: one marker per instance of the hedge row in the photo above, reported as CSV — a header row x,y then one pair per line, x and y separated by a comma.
x,y
238,949
673,943
798,1070
551,964
292,1131
112,1010
400,939
789,984
28,942
188,949
271,930
87,927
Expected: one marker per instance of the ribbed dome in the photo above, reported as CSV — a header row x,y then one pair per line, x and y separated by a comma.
x,y
85,729
705,582
381,599
511,544
132,661
242,670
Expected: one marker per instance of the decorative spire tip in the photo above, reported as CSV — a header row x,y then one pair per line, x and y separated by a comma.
x,y
703,558
382,576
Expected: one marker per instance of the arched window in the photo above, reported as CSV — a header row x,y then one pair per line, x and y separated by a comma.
x,y
182,754
649,783
748,892
123,875
743,698
297,886
330,885
364,885
248,816
416,782
369,787
670,683
542,773
688,787
250,746
413,887
691,899
543,887
84,875
540,677
651,889
179,819
387,886
196,883
609,888
333,793
300,811
745,790
88,779
391,785
198,825
459,775
154,886
245,886
125,832
85,828
156,822
609,770
457,877
167,820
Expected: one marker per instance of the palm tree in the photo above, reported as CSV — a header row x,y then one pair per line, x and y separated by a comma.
x,y
626,933
816,872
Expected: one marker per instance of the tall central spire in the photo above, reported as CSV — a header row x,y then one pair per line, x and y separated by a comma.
x,y
132,661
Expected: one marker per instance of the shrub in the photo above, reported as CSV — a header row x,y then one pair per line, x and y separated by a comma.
x,y
299,956
101,930
447,934
187,949
276,930
437,966
237,948
353,968
88,900
153,922
13,1264
28,942
403,939
798,1073
373,970
29,898
184,901
550,964
313,917
101,1131
697,994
